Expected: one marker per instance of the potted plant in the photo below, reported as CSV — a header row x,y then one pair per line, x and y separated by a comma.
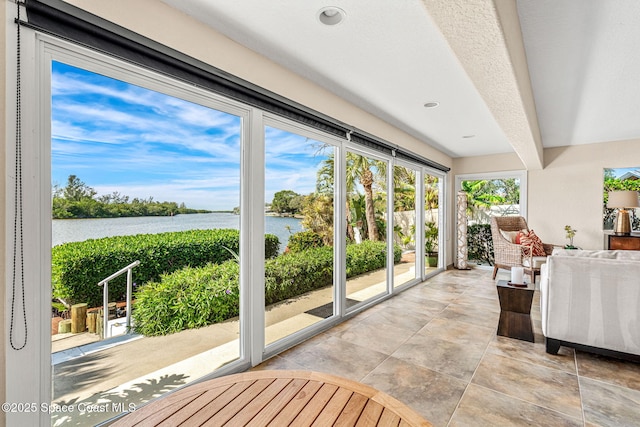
x,y
431,243
570,235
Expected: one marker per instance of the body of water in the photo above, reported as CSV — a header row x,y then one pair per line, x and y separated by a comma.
x,y
77,230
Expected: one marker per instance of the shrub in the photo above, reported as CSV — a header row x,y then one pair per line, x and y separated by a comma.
x,y
369,256
480,243
188,298
297,273
78,267
196,297
304,240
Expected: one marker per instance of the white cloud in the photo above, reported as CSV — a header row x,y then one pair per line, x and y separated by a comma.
x,y
141,143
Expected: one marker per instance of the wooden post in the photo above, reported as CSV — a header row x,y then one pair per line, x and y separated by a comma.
x,y
99,323
64,327
78,318
91,322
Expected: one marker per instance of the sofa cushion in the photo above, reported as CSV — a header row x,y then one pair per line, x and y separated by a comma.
x,y
513,236
584,253
603,254
628,255
509,236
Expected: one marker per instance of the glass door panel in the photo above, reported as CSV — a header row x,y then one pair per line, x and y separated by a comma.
x,y
431,222
366,210
404,228
299,195
144,189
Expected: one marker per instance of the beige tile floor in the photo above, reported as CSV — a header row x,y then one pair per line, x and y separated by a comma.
x,y
434,347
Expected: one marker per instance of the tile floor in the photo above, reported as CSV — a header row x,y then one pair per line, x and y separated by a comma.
x,y
434,347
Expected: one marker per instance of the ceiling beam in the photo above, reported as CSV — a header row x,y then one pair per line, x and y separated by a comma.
x,y
486,38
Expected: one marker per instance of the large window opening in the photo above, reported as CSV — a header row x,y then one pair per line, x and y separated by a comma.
x,y
432,223
619,179
132,166
490,195
146,184
299,196
366,225
404,223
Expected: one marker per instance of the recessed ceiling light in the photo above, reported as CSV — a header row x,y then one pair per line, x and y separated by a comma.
x,y
331,15
431,104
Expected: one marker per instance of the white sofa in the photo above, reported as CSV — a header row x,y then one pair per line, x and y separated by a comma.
x,y
590,300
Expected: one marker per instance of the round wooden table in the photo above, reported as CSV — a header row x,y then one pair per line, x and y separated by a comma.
x,y
275,398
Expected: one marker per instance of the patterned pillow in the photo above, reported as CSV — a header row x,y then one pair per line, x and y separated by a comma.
x,y
532,241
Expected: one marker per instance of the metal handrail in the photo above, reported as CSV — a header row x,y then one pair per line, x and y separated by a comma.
x,y
105,296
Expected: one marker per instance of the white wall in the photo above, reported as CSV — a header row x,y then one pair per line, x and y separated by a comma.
x,y
568,191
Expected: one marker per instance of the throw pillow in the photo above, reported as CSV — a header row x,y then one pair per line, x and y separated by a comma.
x,y
521,233
532,241
510,236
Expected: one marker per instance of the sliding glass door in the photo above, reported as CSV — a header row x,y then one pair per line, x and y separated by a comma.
x,y
145,241
432,221
404,223
299,200
366,225
192,235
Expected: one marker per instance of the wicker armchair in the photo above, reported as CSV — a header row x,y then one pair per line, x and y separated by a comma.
x,y
509,254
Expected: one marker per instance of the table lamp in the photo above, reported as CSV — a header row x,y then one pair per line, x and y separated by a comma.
x,y
622,200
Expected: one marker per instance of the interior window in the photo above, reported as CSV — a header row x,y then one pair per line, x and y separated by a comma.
x,y
489,195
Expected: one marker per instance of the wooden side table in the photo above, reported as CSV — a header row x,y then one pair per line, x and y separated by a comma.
x,y
629,242
515,311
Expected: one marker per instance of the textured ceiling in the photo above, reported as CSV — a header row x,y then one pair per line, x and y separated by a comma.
x,y
390,58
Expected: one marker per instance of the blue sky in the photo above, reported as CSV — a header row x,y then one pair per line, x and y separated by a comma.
x,y
618,172
119,137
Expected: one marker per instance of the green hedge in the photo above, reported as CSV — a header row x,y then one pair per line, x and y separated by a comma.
x,y
368,256
188,298
78,267
296,273
196,297
304,240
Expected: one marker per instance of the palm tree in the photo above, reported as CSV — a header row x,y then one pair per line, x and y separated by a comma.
x,y
404,189
359,169
431,196
479,197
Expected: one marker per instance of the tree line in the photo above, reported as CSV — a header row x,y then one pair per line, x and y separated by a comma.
x,y
78,200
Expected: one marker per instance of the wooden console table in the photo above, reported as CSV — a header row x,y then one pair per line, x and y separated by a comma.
x,y
275,398
629,242
515,311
